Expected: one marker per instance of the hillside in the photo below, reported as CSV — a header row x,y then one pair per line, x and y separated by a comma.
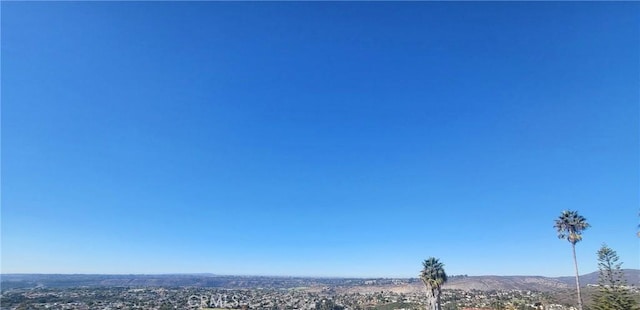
x,y
533,283
632,276
537,283
483,283
488,283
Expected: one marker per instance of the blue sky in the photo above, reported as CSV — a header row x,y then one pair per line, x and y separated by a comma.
x,y
319,139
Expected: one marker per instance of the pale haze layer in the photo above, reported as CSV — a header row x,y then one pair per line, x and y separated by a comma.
x,y
317,139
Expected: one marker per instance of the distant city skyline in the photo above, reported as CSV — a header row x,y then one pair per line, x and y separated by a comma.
x,y
337,139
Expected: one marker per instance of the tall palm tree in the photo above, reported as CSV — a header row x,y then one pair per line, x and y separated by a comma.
x,y
433,277
570,226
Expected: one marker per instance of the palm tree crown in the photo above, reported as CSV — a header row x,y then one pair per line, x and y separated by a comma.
x,y
433,275
570,226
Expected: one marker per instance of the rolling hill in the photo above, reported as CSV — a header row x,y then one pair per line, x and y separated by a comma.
x,y
484,283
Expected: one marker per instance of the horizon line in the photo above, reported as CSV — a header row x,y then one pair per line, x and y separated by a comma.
x,y
275,276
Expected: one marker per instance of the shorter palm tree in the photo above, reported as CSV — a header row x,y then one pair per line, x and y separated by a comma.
x,y
433,277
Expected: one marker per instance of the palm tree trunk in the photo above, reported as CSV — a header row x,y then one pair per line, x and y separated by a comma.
x,y
575,264
431,300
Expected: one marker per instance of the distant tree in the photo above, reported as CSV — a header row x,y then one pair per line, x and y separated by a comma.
x,y
612,291
497,304
520,305
450,306
433,277
166,307
570,226
327,304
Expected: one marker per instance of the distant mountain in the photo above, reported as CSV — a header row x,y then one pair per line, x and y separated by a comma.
x,y
632,276
484,283
9,281
536,283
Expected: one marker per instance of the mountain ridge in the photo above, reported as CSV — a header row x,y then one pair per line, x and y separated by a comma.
x,y
484,283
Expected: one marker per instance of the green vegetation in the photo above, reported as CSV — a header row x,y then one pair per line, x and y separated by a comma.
x,y
397,305
433,277
612,287
328,304
570,226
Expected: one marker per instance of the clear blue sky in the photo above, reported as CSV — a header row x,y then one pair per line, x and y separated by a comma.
x,y
319,139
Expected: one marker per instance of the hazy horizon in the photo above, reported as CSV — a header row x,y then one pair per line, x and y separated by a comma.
x,y
294,276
